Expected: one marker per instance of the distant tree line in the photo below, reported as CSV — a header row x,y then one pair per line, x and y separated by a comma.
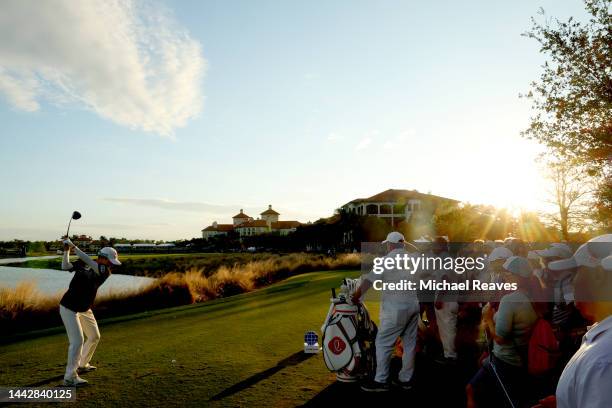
x,y
345,231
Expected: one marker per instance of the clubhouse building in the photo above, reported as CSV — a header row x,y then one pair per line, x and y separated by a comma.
x,y
395,206
245,225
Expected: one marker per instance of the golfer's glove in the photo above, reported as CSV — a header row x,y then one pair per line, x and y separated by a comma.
x,y
68,242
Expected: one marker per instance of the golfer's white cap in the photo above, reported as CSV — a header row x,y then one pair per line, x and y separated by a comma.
x,y
394,237
594,253
110,254
500,253
556,250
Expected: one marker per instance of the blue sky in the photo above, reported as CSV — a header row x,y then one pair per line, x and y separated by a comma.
x,y
306,105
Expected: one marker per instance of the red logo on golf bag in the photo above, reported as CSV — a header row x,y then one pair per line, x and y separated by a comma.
x,y
336,345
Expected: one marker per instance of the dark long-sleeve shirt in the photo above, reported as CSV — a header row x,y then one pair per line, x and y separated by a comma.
x,y
84,285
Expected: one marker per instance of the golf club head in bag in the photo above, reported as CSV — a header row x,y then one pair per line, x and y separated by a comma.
x,y
348,336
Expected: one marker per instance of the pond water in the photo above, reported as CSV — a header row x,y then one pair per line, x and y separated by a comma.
x,y
4,261
51,281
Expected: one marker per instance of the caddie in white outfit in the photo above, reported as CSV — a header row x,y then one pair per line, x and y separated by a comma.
x,y
446,307
399,317
75,308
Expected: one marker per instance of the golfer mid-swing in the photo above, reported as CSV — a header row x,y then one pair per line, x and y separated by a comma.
x,y
75,308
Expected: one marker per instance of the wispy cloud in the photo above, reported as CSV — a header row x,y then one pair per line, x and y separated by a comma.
x,y
127,61
177,205
399,140
363,143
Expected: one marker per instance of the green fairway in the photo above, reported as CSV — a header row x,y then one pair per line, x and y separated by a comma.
x,y
245,350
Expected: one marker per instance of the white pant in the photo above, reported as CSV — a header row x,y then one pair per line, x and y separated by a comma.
x,y
396,321
76,324
447,327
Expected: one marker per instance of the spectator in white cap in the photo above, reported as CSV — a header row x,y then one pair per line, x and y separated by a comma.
x,y
556,249
500,253
516,245
399,317
587,377
75,308
542,257
510,329
423,244
495,260
558,284
490,245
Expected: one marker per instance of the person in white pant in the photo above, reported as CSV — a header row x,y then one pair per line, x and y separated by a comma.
x,y
399,317
446,316
446,307
75,308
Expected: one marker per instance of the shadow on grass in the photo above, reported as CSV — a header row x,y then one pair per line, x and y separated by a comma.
x,y
350,395
435,386
47,381
292,360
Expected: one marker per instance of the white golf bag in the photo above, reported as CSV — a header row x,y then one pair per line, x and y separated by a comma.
x,y
348,336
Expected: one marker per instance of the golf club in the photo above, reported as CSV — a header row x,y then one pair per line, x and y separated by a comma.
x,y
501,383
75,216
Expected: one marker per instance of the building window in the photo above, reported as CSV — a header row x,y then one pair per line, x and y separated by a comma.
x,y
372,209
385,209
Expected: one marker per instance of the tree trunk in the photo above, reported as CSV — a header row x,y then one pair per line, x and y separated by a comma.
x,y
563,221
